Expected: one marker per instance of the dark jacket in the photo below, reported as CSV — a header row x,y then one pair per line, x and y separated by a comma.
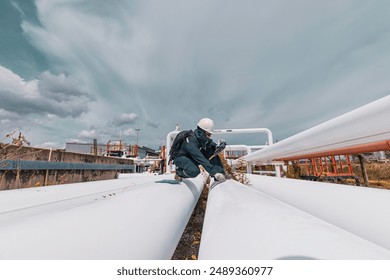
x,y
199,148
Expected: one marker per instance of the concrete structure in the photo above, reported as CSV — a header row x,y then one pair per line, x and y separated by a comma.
x,y
23,167
88,148
84,148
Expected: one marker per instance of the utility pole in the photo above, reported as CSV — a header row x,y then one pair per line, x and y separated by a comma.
x,y
137,130
363,167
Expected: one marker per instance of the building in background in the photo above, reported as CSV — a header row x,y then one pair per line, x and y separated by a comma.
x,y
112,148
85,148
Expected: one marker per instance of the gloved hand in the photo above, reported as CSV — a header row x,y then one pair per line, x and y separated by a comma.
x,y
218,149
220,177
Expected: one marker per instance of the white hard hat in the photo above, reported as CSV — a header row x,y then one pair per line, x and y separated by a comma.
x,y
206,124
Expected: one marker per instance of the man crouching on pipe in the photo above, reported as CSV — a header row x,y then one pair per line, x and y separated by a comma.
x,y
199,149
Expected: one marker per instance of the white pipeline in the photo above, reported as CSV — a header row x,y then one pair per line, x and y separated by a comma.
x,y
244,223
128,218
363,211
169,140
246,130
364,125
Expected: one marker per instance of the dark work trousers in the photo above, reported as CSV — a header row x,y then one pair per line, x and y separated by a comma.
x,y
188,168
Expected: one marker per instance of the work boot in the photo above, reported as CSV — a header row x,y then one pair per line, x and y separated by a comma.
x,y
178,178
219,177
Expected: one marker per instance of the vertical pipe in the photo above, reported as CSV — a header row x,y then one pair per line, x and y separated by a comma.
x,y
249,168
334,165
340,170
170,137
350,171
17,178
277,170
307,166
314,167
95,147
321,165
47,171
326,167
363,167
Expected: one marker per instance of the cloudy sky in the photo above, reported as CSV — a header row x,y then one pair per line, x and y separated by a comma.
x,y
75,70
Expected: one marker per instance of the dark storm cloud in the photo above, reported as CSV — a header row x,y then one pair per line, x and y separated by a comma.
x,y
55,95
285,65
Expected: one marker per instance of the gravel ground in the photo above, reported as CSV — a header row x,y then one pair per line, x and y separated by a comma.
x,y
188,247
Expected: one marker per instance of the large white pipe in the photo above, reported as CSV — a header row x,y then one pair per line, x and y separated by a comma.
x,y
367,124
363,211
14,200
233,148
244,223
169,140
124,219
246,130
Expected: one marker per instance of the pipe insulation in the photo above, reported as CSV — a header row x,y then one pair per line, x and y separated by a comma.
x,y
364,125
127,218
242,222
361,210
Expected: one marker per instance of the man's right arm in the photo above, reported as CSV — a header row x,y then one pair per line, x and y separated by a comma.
x,y
196,154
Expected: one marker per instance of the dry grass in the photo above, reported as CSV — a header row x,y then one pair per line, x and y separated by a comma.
x,y
375,171
188,247
378,174
239,174
379,184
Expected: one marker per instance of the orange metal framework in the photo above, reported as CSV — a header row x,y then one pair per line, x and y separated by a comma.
x,y
328,166
133,151
115,145
334,164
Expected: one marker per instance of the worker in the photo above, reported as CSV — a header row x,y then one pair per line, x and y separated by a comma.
x,y
198,149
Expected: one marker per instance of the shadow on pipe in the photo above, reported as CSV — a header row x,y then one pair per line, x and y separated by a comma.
x,y
192,187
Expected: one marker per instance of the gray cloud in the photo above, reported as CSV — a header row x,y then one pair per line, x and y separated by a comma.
x,y
88,134
285,65
62,88
49,95
153,124
124,119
